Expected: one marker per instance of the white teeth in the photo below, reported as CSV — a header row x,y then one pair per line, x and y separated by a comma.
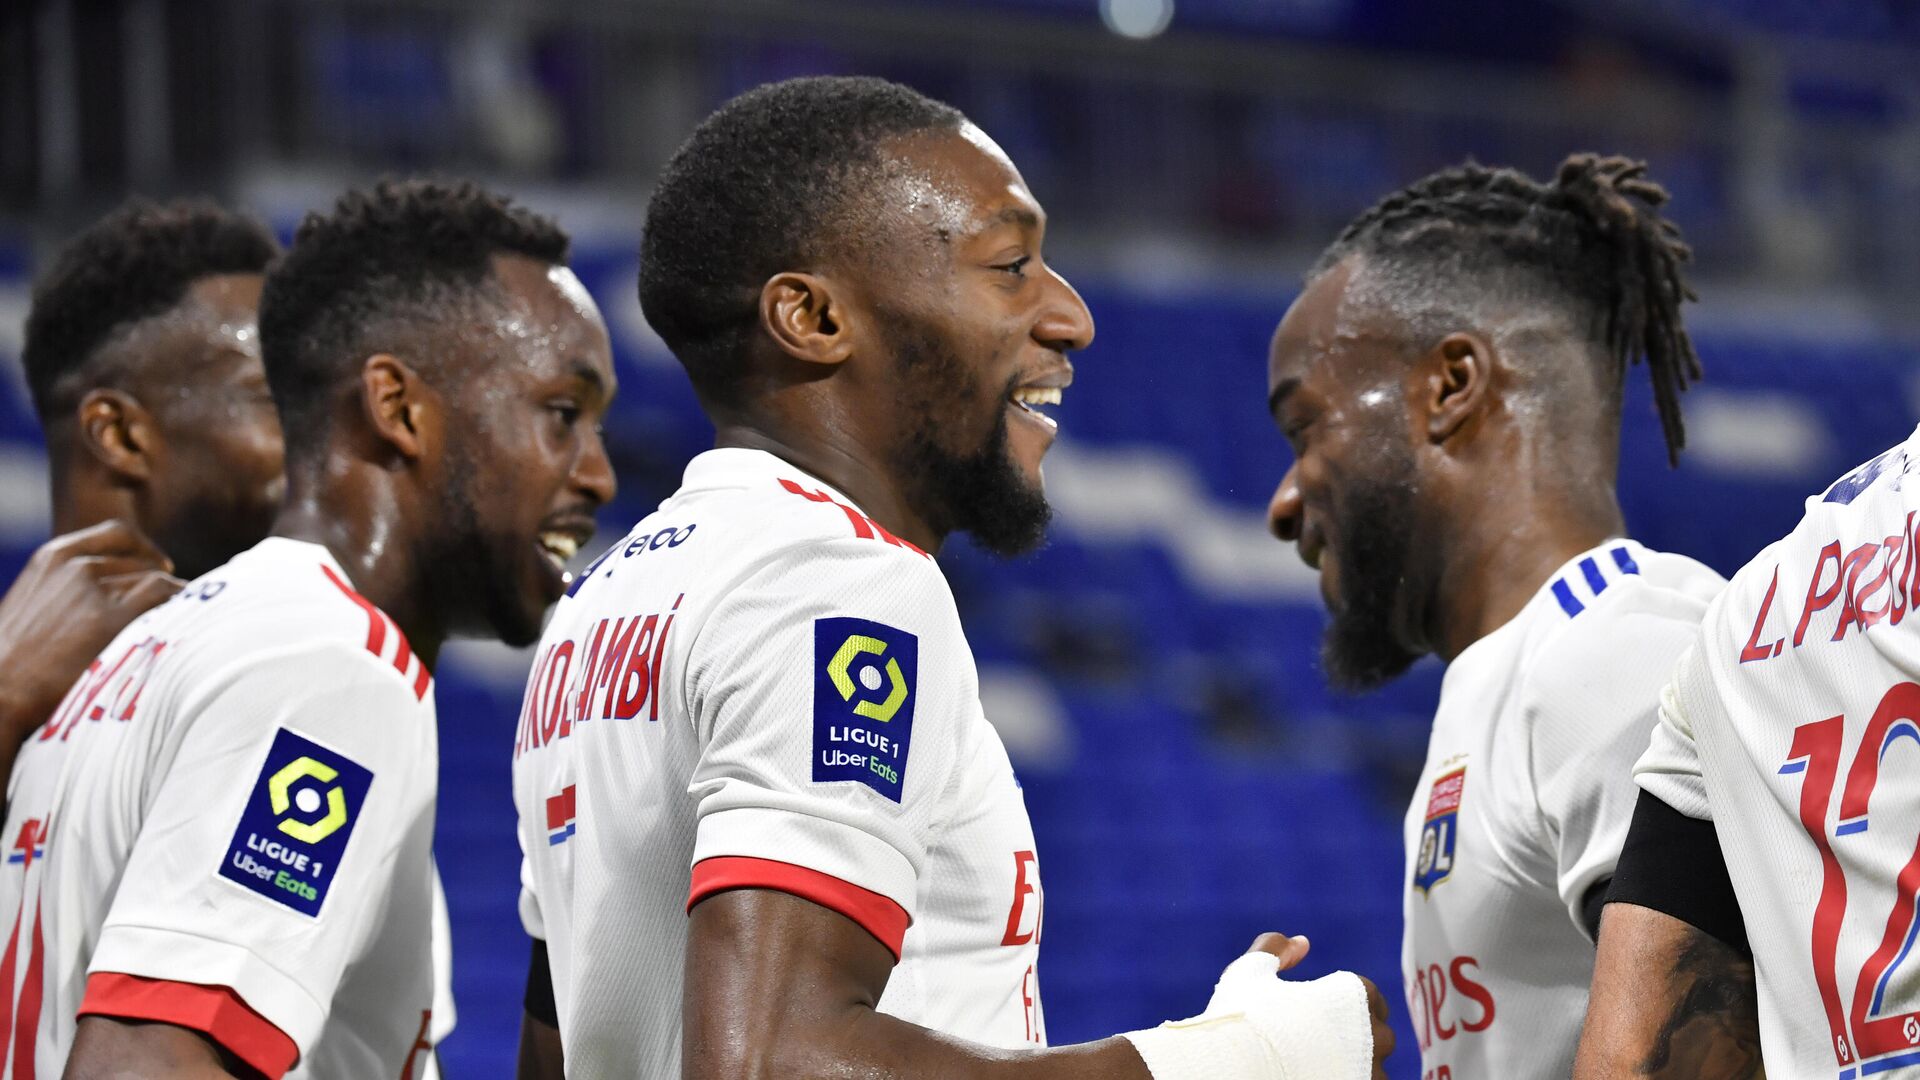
x,y
1037,395
560,546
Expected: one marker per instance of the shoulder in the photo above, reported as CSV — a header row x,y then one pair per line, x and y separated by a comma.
x,y
303,621
1633,612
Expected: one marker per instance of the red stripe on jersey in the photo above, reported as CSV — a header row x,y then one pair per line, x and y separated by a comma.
x,y
877,915
214,1011
896,541
561,808
6,984
376,626
26,1032
377,622
403,653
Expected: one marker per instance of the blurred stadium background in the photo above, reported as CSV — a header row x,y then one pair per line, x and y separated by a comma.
x,y
1190,778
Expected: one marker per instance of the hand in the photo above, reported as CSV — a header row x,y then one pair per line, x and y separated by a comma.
x,y
1292,950
76,593
1382,1031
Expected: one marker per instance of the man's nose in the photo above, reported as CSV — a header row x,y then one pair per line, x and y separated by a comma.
x,y
1283,510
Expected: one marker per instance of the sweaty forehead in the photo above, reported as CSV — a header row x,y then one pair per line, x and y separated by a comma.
x,y
1330,336
955,185
548,303
1309,333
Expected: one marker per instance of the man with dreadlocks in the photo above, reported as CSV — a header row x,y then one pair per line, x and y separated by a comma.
x,y
1450,382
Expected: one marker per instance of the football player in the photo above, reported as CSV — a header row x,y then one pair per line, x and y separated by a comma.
x,y
227,846
142,356
1764,905
767,829
1450,382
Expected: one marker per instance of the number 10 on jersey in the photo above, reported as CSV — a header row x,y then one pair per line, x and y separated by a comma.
x,y
1863,1030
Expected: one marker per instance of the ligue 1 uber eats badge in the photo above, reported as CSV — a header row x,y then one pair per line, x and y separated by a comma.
x,y
296,823
863,695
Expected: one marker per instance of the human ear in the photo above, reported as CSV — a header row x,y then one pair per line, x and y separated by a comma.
x,y
1457,383
119,432
399,405
805,316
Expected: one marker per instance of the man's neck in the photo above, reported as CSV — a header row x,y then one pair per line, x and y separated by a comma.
x,y
362,527
81,502
1503,559
842,462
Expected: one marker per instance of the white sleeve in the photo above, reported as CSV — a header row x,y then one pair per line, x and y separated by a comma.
x,y
271,845
1669,770
829,691
1594,702
531,919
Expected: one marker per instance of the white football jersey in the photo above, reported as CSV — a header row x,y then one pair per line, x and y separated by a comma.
x,y
1793,723
226,826
759,687
1523,807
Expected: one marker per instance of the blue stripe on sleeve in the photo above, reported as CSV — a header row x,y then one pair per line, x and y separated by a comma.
x,y
1568,603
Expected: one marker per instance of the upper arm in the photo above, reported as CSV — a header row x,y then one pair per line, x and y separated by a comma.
x,y
774,979
1668,1000
1673,986
267,852
105,1047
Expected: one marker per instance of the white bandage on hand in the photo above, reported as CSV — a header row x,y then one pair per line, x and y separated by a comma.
x,y
1259,1027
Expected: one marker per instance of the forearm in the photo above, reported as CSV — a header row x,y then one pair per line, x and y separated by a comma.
x,y
860,1041
1668,1001
777,986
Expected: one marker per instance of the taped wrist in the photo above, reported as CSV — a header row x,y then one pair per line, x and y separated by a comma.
x,y
1260,1026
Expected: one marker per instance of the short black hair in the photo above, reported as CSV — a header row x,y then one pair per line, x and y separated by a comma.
x,y
402,251
1593,241
765,185
135,263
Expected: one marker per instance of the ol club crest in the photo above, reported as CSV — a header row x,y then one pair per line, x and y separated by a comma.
x,y
1435,862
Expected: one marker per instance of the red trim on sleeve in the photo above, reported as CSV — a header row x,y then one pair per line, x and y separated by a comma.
x,y
214,1011
877,915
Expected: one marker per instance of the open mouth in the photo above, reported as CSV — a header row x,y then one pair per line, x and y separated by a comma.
x,y
1043,390
559,544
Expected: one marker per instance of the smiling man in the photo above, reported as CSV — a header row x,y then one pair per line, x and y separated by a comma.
x,y
1450,382
768,831
225,827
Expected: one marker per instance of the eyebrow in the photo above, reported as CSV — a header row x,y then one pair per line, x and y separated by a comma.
x,y
1279,395
1017,215
587,373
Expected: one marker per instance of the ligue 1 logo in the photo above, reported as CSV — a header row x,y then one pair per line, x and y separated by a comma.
x,y
863,700
858,645
294,827
307,800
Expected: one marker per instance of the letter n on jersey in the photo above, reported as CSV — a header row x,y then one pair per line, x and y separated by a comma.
x,y
865,674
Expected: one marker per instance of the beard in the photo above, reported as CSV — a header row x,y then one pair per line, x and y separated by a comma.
x,y
477,576
1359,650
980,491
